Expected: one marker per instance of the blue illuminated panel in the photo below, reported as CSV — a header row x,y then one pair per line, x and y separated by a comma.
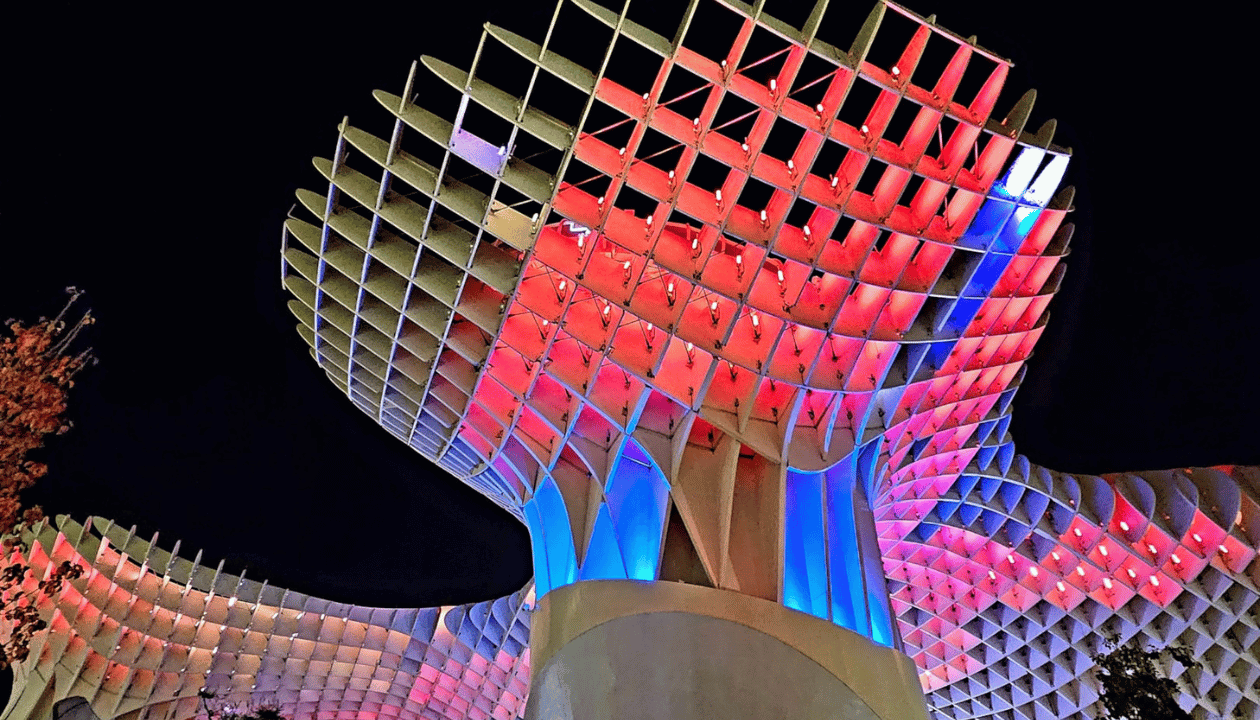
x,y
551,538
848,602
1001,225
637,494
831,565
603,556
626,538
805,567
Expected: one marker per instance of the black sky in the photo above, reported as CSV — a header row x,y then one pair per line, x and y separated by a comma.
x,y
152,154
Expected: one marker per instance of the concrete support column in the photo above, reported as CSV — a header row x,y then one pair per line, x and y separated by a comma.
x,y
619,649
34,691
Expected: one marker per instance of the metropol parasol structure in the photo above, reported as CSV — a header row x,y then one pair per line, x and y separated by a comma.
x,y
735,332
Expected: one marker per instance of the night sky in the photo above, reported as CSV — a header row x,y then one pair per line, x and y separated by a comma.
x,y
151,156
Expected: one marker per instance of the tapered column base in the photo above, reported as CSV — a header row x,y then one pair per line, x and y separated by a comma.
x,y
616,649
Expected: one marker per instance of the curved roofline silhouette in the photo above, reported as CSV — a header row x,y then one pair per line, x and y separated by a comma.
x,y
754,325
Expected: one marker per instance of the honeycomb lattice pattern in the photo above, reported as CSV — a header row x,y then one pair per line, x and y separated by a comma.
x,y
1160,558
780,254
656,302
798,304
144,630
929,299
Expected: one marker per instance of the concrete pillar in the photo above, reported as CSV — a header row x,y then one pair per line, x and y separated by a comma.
x,y
618,649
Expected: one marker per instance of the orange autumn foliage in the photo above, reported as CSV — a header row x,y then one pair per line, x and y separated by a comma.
x,y
36,372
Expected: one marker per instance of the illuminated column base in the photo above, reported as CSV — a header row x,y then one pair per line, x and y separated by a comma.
x,y
619,649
